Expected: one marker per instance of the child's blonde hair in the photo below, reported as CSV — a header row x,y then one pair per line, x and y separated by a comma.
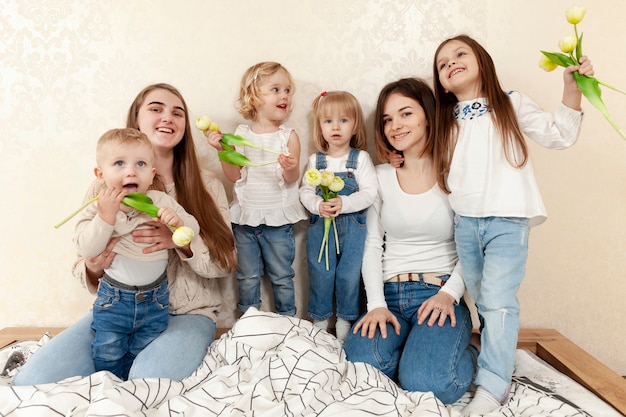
x,y
125,137
253,78
343,103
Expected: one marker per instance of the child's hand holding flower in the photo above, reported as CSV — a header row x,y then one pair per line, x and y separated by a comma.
x,y
143,203
330,185
571,57
225,144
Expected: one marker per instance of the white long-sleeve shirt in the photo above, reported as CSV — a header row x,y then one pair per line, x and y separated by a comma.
x,y
408,233
481,180
365,175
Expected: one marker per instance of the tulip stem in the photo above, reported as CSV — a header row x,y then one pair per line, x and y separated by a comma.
x,y
65,220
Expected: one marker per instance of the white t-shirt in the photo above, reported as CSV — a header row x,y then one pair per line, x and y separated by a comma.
x,y
417,234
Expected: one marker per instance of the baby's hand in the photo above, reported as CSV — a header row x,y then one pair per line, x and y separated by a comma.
x,y
396,159
213,138
109,202
168,216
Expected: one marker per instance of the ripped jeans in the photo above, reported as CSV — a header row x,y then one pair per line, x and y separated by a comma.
x,y
493,253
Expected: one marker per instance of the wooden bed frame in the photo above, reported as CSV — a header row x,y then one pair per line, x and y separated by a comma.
x,y
548,344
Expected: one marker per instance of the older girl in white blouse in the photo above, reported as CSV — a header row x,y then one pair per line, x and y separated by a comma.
x,y
493,191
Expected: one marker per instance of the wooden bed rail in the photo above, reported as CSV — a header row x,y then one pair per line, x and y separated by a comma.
x,y
548,344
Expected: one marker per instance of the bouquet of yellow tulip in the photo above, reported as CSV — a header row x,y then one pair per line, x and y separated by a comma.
x,y
228,142
139,201
571,46
330,185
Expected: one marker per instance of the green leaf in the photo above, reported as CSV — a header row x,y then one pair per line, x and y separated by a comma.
x,y
234,140
559,58
579,48
74,213
590,88
235,158
141,202
138,201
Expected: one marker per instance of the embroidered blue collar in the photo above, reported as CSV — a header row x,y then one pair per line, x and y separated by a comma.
x,y
468,110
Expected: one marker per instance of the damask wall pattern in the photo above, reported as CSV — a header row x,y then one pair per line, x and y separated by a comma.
x,y
69,70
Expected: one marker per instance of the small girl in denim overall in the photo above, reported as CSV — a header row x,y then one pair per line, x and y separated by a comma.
x,y
339,136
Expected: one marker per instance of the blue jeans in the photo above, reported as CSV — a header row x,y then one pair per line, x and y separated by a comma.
x,y
493,253
421,358
343,277
125,322
175,354
266,248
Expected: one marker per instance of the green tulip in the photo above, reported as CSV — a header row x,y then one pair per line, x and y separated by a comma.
x,y
229,141
143,203
588,86
235,158
138,201
234,140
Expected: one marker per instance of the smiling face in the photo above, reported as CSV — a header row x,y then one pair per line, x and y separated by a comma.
x,y
162,118
275,93
128,166
404,123
458,70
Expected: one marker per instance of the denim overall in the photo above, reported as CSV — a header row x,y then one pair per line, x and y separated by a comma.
x,y
343,278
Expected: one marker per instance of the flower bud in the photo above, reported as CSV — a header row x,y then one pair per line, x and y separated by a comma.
x,y
182,236
313,177
547,64
568,44
327,178
575,14
336,185
204,123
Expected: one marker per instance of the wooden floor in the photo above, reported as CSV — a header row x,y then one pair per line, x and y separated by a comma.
x,y
548,344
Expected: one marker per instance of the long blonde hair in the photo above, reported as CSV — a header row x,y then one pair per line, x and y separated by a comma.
x,y
500,106
190,190
345,103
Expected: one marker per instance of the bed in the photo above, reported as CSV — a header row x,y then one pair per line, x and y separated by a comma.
x,y
271,365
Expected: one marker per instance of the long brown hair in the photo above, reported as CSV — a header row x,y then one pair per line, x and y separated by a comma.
x,y
413,88
190,190
500,106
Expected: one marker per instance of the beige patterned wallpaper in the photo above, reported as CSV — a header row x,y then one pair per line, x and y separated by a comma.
x,y
69,69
